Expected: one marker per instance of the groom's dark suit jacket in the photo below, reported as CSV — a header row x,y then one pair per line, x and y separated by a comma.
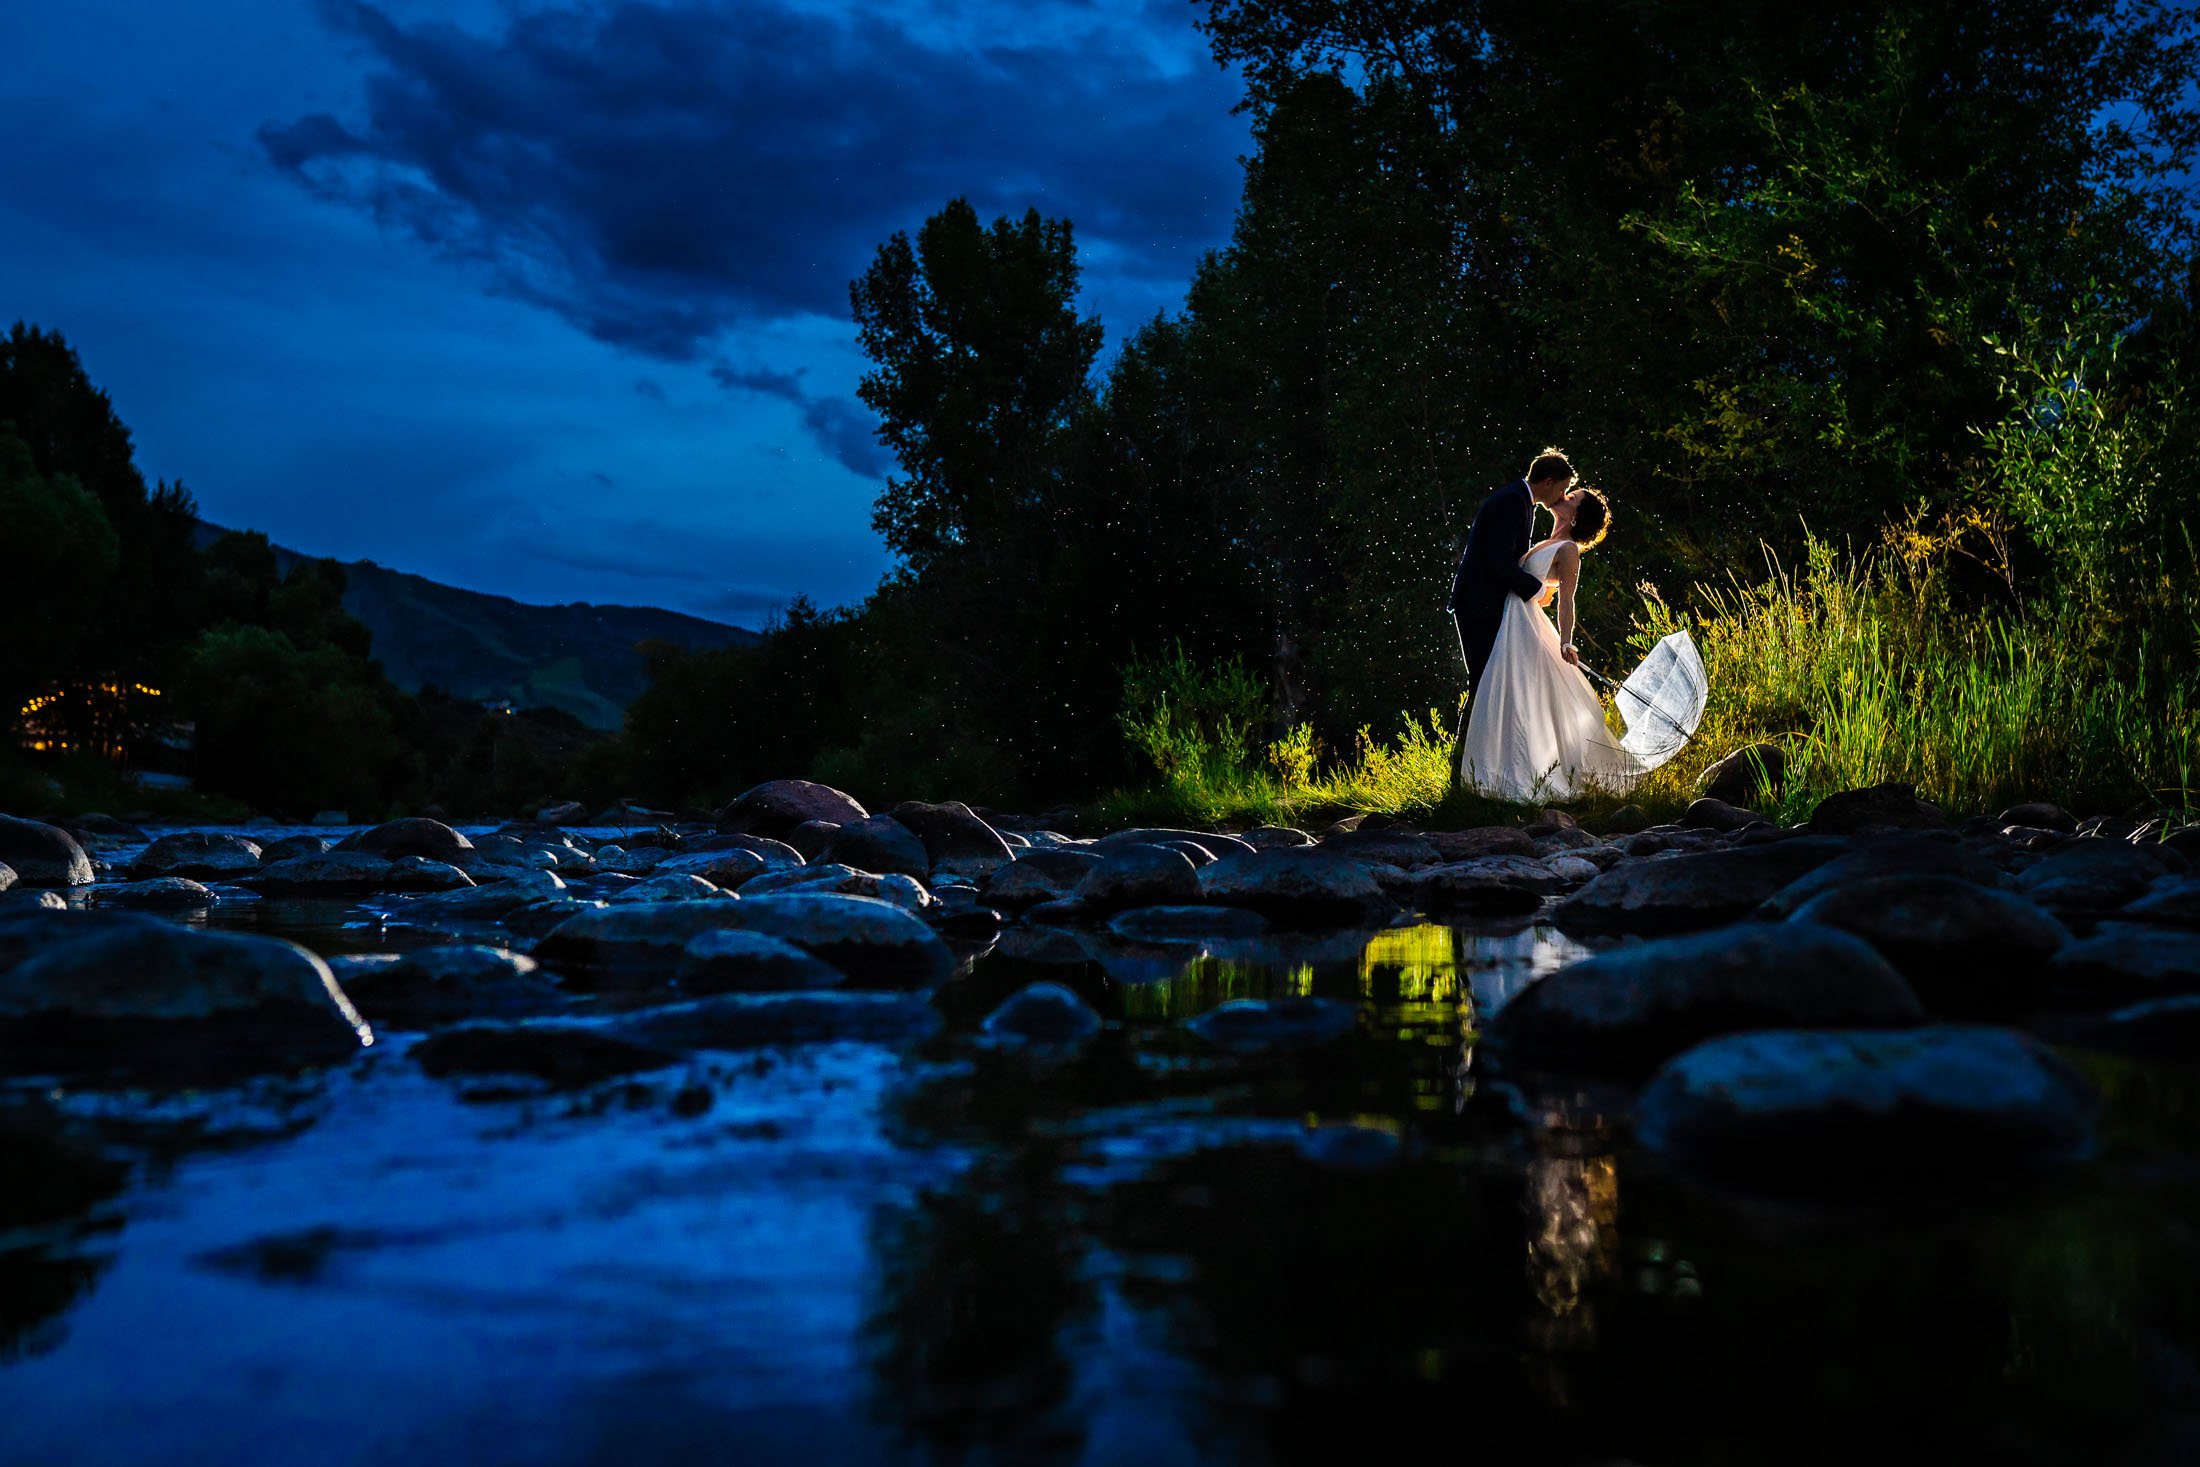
x,y
1489,571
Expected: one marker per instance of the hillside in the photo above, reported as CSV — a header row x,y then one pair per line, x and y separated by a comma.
x,y
578,657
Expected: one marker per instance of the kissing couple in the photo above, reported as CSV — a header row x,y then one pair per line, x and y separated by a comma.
x,y
1535,728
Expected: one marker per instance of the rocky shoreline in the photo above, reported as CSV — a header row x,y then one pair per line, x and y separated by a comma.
x,y
1875,990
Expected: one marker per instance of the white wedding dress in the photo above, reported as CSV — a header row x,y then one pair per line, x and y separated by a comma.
x,y
1535,731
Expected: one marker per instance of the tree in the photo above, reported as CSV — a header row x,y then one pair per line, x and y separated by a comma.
x,y
57,559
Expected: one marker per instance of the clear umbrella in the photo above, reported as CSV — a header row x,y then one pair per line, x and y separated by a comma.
x,y
1662,699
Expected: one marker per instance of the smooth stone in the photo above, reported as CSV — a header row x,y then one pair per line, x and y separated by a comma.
x,y
436,985
1251,1026
416,836
354,873
201,855
1044,1014
673,888
1691,890
158,891
1963,947
1718,815
43,855
1564,839
1038,875
905,892
2093,877
878,843
1195,925
618,860
1902,856
2126,960
955,837
1488,840
487,901
1487,886
1300,888
285,847
2175,904
1221,847
777,806
23,898
753,1020
544,915
2039,815
1818,1111
1137,876
95,831
564,1054
809,838
1734,778
633,945
773,853
7,876
1573,871
1402,848
869,940
1047,946
730,870
1890,806
733,961
1628,1009
100,987
1276,837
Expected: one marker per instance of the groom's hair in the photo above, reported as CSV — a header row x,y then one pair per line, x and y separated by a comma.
x,y
1550,464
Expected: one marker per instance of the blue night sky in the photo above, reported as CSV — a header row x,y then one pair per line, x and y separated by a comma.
x,y
550,300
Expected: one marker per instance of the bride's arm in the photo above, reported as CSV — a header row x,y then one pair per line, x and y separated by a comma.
x,y
1567,566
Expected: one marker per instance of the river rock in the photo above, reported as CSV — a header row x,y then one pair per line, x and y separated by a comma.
x,y
733,961
129,989
1137,876
562,1053
1192,926
354,873
775,854
1489,840
437,985
1890,806
905,892
1824,1111
637,945
24,898
1038,875
2092,877
1221,847
2172,903
726,869
97,832
636,861
1298,888
1251,1026
1901,856
285,847
809,838
1692,890
1401,848
1043,1014
1734,779
42,855
2039,815
431,840
201,855
1276,837
2125,960
954,837
1964,948
672,888
157,891
777,806
872,942
1711,814
1565,839
1490,886
1630,1008
750,1020
878,843
488,901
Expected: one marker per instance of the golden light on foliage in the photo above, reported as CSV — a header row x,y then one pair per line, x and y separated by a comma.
x,y
101,716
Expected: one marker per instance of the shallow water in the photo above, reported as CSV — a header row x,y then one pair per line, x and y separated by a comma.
x,y
1150,1253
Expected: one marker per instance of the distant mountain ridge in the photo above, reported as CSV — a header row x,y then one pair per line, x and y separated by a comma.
x,y
486,648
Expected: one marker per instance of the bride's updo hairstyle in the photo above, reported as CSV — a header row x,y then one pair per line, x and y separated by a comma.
x,y
1592,519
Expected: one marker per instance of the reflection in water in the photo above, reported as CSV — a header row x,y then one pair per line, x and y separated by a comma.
x,y
53,1185
1573,1245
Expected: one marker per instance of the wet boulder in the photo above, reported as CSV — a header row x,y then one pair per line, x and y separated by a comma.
x,y
1252,1026
1298,888
42,855
669,888
1964,948
1625,1010
809,838
732,961
1137,876
138,992
487,901
1488,886
201,855
1890,806
728,869
1215,844
1039,875
340,873
1902,856
1186,926
285,847
755,1020
2038,815
777,807
873,942
878,843
637,945
619,860
2172,903
430,840
1735,778
7,877
773,853
955,838
439,985
1488,840
1043,1014
1276,837
1824,1111
2127,960
563,1054
1711,814
157,891
2094,877
1694,889
1402,848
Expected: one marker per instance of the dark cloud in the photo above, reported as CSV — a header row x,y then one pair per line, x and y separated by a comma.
x,y
654,391
659,173
845,429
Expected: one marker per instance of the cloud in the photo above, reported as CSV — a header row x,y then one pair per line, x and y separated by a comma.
x,y
660,173
839,425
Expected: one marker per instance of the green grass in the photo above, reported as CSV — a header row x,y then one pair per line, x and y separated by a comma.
x,y
1857,666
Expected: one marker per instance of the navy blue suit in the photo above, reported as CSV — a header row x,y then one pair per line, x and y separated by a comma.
x,y
1489,571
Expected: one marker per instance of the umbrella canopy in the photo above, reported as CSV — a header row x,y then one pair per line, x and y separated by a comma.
x,y
1662,700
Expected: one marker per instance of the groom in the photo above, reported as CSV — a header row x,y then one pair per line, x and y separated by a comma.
x,y
1490,570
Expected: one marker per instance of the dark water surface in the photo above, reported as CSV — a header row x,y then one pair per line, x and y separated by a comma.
x,y
1147,1253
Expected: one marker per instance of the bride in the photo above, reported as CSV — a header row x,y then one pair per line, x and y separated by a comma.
x,y
1535,731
